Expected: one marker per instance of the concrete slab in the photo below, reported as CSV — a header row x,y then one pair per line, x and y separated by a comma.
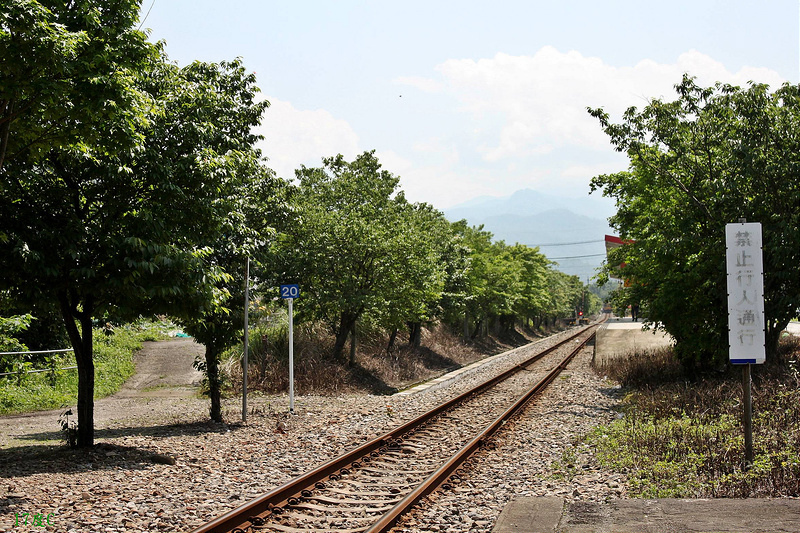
x,y
668,515
620,337
531,515
457,372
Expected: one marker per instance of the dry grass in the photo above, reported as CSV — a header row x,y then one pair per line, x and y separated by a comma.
x,y
682,436
376,370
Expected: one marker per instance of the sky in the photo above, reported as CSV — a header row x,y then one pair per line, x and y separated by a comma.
x,y
464,99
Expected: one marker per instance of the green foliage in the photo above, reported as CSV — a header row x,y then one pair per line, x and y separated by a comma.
x,y
359,247
246,202
504,282
125,212
52,390
710,157
10,328
66,77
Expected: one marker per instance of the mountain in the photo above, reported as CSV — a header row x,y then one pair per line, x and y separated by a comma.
x,y
528,202
569,231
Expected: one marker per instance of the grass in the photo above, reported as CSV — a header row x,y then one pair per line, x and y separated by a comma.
x,y
681,437
113,359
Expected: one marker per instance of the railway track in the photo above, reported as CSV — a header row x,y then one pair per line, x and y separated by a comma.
x,y
371,487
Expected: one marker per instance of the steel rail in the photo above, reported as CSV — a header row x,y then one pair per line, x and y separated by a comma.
x,y
285,494
438,478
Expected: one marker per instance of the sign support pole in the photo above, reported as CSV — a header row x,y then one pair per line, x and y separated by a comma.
x,y
748,415
246,339
291,357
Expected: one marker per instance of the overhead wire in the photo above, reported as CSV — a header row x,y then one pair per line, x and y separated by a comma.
x,y
146,15
576,256
566,243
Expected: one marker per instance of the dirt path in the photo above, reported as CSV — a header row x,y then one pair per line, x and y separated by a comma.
x,y
165,383
164,370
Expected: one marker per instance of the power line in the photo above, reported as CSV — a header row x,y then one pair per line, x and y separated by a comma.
x,y
566,243
147,15
576,256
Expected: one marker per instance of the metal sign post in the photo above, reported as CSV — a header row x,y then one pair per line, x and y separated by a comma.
x,y
290,292
746,336
246,339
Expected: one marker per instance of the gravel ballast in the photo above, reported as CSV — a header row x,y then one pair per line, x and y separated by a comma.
x,y
160,466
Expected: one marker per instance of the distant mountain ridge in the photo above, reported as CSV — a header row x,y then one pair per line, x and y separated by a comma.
x,y
569,231
528,202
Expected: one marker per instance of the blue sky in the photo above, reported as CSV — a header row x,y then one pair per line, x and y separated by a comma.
x,y
465,99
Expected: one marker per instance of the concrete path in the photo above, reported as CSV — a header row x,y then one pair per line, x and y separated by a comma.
x,y
554,515
620,337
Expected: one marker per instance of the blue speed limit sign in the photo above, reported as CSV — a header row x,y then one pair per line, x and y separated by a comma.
x,y
290,291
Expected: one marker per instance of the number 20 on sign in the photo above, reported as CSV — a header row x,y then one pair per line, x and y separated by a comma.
x,y
290,291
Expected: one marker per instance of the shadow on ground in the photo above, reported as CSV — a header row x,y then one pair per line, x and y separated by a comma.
x,y
23,461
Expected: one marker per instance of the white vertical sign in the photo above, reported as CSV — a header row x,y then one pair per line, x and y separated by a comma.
x,y
745,269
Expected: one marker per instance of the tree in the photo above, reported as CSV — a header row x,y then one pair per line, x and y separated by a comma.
x,y
493,278
246,234
131,231
534,297
566,294
253,205
706,159
356,246
419,271
65,76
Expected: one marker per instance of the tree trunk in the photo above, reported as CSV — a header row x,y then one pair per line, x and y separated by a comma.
x,y
346,323
415,334
353,344
392,338
773,336
478,329
82,345
214,383
466,326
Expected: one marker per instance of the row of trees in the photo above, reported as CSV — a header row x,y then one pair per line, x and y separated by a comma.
x,y
129,186
360,250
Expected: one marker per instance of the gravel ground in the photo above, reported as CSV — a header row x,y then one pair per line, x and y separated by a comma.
x,y
127,482
535,455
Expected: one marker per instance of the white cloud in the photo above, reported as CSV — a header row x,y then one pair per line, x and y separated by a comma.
x,y
434,180
520,121
295,137
542,99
